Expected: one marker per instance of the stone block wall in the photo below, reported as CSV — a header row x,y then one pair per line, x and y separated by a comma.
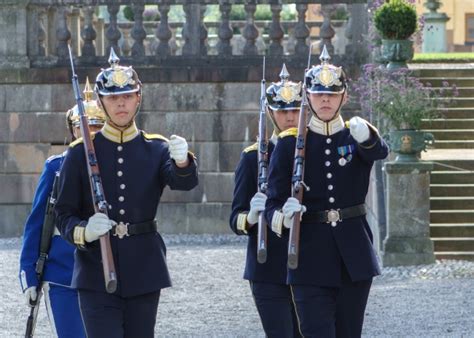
x,y
218,117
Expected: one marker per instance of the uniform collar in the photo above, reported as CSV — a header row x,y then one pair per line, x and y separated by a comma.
x,y
326,128
274,138
119,136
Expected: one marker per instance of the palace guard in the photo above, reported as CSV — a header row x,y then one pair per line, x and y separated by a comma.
x,y
336,259
60,299
268,280
135,167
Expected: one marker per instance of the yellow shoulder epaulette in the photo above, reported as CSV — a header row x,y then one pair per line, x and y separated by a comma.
x,y
288,132
155,137
251,148
80,140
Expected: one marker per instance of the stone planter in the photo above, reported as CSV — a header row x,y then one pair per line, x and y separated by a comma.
x,y
397,53
409,143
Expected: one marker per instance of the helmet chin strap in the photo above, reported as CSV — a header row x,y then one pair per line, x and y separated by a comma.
x,y
336,114
115,125
277,128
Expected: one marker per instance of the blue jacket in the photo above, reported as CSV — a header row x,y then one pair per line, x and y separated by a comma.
x,y
274,269
134,172
323,247
60,261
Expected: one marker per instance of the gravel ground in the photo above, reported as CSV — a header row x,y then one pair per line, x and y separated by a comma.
x,y
210,299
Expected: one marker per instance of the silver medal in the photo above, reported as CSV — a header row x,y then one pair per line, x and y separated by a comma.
x,y
342,161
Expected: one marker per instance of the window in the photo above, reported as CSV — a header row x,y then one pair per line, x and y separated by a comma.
x,y
470,28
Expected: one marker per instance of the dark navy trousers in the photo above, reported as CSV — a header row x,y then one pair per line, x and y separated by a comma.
x,y
332,311
275,307
112,316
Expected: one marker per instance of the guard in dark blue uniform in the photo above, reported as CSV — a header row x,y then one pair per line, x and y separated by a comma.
x,y
61,300
336,261
135,167
268,280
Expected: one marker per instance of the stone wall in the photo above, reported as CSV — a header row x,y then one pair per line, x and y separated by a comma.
x,y
218,119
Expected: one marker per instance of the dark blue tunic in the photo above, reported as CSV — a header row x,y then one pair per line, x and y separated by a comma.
x,y
274,269
323,247
134,174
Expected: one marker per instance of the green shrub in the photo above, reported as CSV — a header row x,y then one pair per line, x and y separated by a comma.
x,y
395,20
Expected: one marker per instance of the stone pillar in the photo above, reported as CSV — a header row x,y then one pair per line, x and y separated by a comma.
x,y
408,214
14,34
434,30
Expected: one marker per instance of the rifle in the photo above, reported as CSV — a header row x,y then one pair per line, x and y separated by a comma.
x,y
262,170
297,183
97,190
45,244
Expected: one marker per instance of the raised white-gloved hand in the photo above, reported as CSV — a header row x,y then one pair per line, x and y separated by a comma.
x,y
97,225
359,129
257,204
291,206
30,295
178,149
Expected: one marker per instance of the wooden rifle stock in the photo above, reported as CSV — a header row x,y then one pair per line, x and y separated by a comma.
x,y
262,171
97,190
297,183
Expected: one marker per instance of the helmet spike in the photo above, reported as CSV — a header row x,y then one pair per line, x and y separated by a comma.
x,y
324,57
284,75
88,92
113,58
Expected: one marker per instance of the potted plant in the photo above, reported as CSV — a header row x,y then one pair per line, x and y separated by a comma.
x,y
396,21
400,103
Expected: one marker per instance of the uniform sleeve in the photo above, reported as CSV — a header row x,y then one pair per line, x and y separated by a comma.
x,y
279,181
375,148
178,178
33,228
69,202
244,189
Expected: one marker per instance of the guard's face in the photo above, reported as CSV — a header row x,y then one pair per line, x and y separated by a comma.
x,y
121,108
93,129
326,105
286,119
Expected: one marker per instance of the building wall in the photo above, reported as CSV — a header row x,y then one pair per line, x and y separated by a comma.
x,y
456,10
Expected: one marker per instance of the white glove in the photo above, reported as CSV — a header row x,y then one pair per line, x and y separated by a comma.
x,y
97,225
359,129
257,204
291,206
30,295
178,149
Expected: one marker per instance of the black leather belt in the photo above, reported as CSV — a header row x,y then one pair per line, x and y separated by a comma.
x,y
334,215
126,229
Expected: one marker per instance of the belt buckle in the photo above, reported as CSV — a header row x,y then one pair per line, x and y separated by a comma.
x,y
333,216
121,230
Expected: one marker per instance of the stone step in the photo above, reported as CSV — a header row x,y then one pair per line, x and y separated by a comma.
x,y
460,102
457,134
453,244
457,113
454,144
451,190
213,187
456,255
28,158
452,177
452,230
466,92
194,218
457,165
437,81
451,216
447,123
451,72
457,203
198,126
173,218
